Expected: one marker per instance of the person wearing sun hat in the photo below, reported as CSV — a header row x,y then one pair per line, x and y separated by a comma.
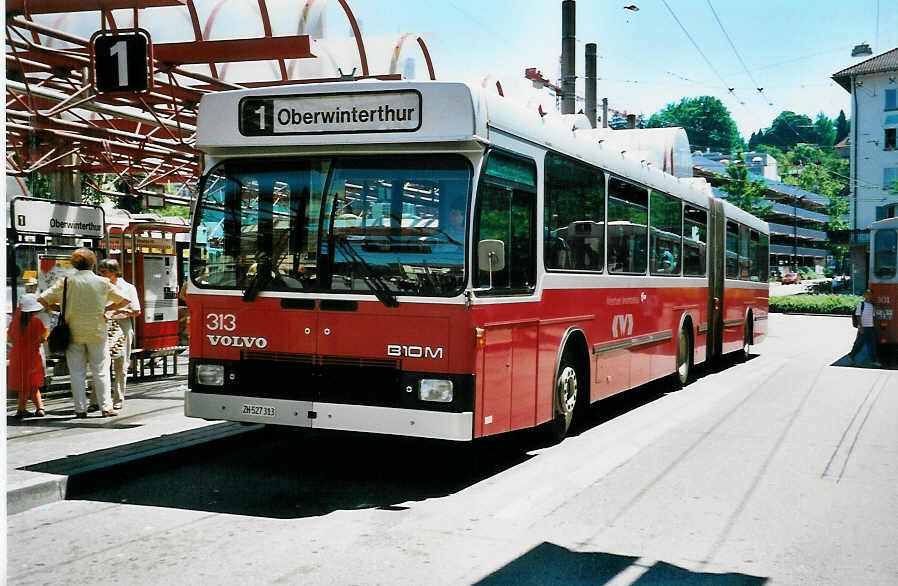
x,y
25,373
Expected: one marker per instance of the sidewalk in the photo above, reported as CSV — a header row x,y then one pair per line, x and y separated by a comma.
x,y
41,453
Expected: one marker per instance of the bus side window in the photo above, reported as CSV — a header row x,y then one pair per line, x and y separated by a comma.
x,y
744,257
666,218
754,244
695,233
732,250
574,236
507,212
627,220
764,256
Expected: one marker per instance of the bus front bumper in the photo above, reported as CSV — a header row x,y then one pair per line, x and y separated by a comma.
x,y
336,416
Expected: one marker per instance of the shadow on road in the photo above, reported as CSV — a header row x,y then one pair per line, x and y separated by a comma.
x,y
290,472
548,564
886,362
616,405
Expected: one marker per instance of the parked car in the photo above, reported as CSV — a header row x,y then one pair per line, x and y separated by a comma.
x,y
790,277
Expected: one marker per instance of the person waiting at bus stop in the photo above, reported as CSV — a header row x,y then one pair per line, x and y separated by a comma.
x,y
87,296
109,268
25,368
865,342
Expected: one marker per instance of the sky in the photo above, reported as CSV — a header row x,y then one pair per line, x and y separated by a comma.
x,y
647,58
667,50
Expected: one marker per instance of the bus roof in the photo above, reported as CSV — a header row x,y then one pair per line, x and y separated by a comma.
x,y
886,223
397,115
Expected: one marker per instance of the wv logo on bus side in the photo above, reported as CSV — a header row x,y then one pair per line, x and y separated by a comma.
x,y
622,325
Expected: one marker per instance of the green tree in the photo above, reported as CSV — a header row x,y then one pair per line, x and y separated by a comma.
x,y
817,170
782,160
89,193
825,130
743,191
816,174
755,140
788,129
174,210
38,184
842,126
837,209
131,203
814,177
805,154
707,122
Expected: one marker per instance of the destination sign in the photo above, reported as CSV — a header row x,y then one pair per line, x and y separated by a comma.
x,y
56,218
396,111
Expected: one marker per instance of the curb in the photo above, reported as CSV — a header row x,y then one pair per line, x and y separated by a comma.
x,y
40,489
46,482
812,314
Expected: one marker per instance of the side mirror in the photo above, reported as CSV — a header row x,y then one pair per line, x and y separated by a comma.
x,y
490,258
491,255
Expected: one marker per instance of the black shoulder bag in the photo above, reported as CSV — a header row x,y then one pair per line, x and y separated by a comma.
x,y
855,318
61,335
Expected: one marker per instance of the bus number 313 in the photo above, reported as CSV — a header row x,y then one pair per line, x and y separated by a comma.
x,y
221,321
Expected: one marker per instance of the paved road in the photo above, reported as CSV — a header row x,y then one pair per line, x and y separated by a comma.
x,y
780,470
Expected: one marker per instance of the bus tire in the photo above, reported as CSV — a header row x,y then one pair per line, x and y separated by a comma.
x,y
565,398
685,358
747,338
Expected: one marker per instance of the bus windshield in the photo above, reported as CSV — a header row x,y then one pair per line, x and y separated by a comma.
x,y
334,224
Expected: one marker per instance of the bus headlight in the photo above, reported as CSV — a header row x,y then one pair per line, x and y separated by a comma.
x,y
210,374
436,390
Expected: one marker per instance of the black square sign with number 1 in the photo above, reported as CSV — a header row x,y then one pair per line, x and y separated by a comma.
x,y
121,63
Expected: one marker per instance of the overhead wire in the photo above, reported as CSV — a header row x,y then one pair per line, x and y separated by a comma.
x,y
850,182
700,52
758,86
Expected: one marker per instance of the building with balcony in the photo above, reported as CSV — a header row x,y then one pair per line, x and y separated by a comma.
x,y
797,217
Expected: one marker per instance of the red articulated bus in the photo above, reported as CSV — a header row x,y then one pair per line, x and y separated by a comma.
x,y
430,259
884,281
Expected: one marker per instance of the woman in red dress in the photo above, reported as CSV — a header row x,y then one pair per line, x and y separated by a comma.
x,y
25,373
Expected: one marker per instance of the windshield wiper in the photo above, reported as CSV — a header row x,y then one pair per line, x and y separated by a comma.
x,y
372,279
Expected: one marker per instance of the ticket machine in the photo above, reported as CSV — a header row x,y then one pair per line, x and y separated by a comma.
x,y
146,247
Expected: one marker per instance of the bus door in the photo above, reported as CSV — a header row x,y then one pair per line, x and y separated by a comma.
x,y
716,274
505,267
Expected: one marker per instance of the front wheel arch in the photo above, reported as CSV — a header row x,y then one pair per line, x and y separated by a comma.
x,y
571,376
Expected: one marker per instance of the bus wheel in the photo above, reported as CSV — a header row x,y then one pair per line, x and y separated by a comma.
x,y
684,358
746,340
565,401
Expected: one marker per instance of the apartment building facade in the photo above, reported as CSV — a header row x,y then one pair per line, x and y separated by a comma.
x,y
873,152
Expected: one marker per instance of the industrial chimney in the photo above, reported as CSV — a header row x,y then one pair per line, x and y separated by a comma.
x,y
591,83
568,56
